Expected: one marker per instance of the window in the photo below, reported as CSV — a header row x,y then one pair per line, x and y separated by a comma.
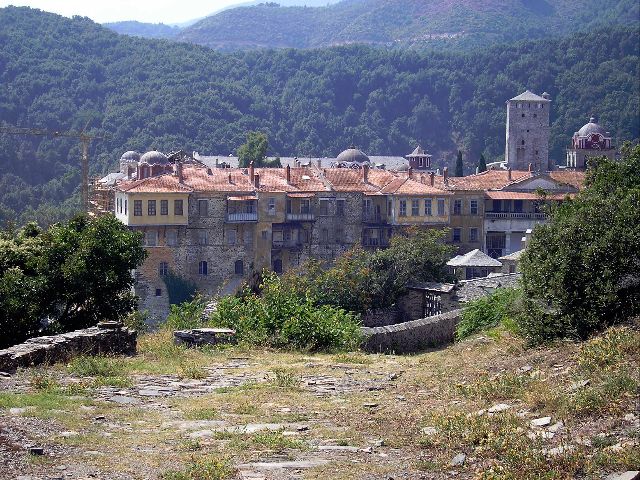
x,y
137,208
517,206
172,237
239,267
421,162
340,207
177,207
158,292
305,206
203,208
231,237
324,206
163,268
473,235
151,207
324,236
473,207
125,206
164,207
339,239
277,265
265,233
272,206
151,238
457,206
403,208
366,206
202,268
415,208
248,237
456,235
202,237
427,207
441,207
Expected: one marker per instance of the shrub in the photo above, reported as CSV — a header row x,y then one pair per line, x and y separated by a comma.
x,y
488,312
581,270
280,317
186,315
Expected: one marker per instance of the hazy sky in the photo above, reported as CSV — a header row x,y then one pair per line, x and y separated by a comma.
x,y
165,11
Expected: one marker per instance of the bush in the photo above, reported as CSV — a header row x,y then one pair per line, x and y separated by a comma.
x,y
488,312
280,317
581,271
186,315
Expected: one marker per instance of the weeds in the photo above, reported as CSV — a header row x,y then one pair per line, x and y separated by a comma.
x,y
192,370
277,442
199,468
285,378
501,387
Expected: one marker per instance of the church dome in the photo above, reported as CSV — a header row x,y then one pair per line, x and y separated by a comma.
x,y
154,157
352,154
591,127
130,156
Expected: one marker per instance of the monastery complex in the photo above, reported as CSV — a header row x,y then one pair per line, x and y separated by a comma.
x,y
215,225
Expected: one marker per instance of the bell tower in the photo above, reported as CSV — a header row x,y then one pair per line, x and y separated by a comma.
x,y
527,132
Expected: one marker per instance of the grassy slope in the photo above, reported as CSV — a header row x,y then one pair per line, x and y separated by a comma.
x,y
442,390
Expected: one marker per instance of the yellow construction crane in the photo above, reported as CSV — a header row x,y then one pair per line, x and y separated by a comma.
x,y
85,139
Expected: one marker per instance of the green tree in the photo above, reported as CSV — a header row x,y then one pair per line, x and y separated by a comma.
x,y
70,276
459,172
253,150
581,271
482,164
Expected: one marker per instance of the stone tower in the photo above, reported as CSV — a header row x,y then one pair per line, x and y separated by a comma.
x,y
528,132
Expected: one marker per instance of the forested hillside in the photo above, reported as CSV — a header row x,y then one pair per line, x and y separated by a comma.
x,y
57,73
141,29
404,22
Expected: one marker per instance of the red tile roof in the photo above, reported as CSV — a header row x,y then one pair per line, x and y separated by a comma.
x,y
162,184
506,195
490,179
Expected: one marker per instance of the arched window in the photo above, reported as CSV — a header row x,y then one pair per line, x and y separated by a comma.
x,y
239,267
202,268
522,142
277,265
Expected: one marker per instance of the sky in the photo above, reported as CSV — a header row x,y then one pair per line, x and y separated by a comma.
x,y
154,11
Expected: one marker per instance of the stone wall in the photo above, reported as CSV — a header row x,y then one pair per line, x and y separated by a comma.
x,y
61,348
412,336
382,317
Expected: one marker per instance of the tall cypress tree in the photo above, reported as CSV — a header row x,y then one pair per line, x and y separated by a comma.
x,y
459,167
482,164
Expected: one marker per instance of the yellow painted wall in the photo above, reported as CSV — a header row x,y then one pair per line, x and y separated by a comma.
x,y
171,219
420,219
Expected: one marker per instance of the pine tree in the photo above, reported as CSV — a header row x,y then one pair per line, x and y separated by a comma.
x,y
482,164
459,167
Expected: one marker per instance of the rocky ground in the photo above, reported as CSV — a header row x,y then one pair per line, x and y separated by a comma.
x,y
483,408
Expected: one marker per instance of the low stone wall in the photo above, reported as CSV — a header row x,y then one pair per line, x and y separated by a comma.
x,y
108,340
412,336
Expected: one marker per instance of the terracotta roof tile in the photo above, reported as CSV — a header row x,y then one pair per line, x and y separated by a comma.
x,y
164,184
490,179
574,178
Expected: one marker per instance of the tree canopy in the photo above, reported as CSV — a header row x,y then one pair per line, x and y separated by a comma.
x,y
70,276
581,271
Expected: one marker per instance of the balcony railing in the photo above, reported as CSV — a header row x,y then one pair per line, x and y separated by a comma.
x,y
516,215
242,217
288,244
300,217
372,217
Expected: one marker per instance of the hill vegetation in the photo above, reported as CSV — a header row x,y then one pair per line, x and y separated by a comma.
x,y
58,73
141,29
403,22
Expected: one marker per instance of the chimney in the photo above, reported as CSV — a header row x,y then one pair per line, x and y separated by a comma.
x,y
365,173
477,170
179,172
209,172
432,179
251,171
445,174
319,163
509,176
288,172
256,180
230,182
410,172
422,180
216,163
531,167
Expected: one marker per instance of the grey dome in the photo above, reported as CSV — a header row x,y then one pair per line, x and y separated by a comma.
x,y
591,127
130,156
154,157
352,154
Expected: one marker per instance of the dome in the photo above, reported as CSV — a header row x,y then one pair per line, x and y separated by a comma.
x,y
352,154
591,127
153,157
130,156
